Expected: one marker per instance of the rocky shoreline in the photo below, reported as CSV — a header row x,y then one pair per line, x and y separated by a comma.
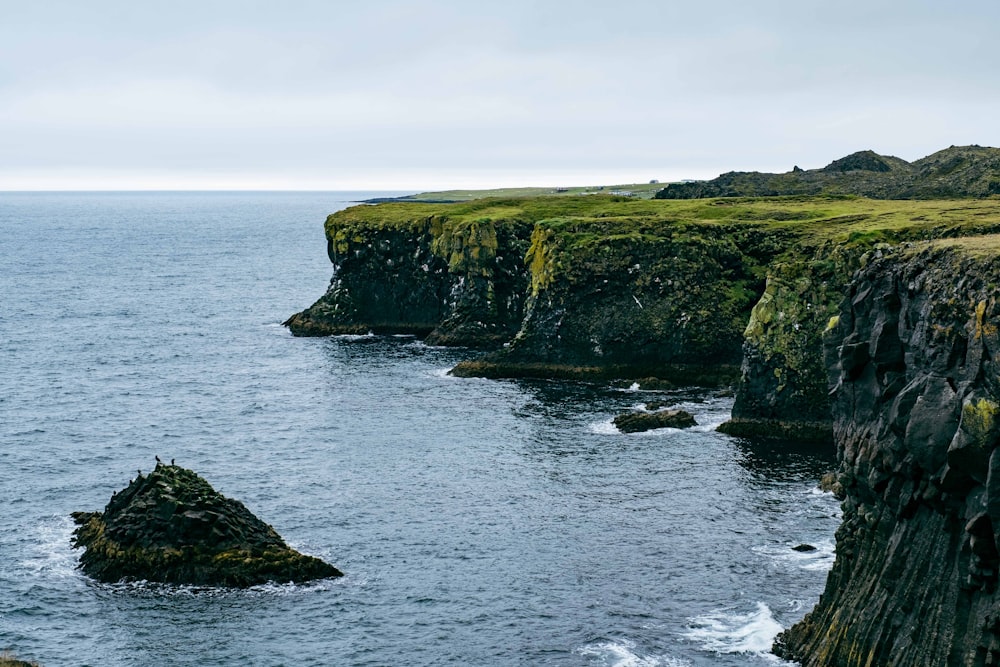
x,y
710,293
867,324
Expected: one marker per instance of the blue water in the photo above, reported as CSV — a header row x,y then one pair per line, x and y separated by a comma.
x,y
478,522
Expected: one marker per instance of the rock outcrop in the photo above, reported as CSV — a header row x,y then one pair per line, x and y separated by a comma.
x,y
456,279
171,526
958,171
634,299
637,422
915,355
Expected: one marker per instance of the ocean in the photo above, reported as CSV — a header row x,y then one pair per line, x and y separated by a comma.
x,y
477,522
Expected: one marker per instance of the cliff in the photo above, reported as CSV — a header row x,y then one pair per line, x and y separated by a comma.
x,y
958,171
914,366
453,274
590,287
868,323
172,526
709,292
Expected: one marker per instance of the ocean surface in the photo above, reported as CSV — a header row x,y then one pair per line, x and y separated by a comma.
x,y
478,522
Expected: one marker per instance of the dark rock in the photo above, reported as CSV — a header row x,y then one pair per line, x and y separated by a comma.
x,y
916,573
172,526
634,422
9,660
817,432
830,482
804,548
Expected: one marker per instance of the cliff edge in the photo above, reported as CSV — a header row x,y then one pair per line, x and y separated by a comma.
x,y
915,371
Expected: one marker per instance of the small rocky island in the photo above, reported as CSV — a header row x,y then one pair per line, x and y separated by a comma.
x,y
171,526
637,422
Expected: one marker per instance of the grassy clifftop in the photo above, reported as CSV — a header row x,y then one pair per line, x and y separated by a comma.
x,y
587,219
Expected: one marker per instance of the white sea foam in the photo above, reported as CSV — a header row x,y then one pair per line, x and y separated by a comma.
x,y
606,427
709,421
354,337
819,560
622,654
51,553
729,632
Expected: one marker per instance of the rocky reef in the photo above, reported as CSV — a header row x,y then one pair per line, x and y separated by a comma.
x,y
637,422
958,171
914,354
171,526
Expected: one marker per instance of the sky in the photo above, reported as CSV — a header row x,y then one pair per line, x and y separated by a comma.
x,y
419,95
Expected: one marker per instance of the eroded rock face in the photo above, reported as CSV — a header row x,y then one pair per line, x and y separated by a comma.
x,y
916,412
172,526
456,282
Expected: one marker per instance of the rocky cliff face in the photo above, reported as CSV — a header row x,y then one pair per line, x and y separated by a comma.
x,y
458,282
635,301
914,354
782,392
599,287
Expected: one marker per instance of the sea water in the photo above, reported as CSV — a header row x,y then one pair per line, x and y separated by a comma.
x,y
478,522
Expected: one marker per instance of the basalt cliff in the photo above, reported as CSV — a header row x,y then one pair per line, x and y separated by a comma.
x,y
913,354
728,291
868,323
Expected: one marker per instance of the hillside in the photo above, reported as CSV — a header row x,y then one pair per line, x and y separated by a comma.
x,y
958,171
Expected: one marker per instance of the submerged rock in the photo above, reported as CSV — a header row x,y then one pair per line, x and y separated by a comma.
x,y
635,422
172,526
804,548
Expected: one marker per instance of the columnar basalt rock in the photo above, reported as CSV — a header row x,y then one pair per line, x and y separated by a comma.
x,y
172,526
916,400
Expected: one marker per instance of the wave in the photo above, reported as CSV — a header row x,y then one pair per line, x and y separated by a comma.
x,y
820,560
50,553
350,338
271,589
729,632
622,653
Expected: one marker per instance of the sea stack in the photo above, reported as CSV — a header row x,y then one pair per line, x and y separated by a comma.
x,y
171,526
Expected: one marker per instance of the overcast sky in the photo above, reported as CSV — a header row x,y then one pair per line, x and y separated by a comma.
x,y
304,94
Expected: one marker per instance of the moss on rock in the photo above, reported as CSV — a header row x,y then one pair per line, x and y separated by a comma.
x,y
172,526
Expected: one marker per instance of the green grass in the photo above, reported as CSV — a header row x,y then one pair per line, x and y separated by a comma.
x,y
637,190
810,221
